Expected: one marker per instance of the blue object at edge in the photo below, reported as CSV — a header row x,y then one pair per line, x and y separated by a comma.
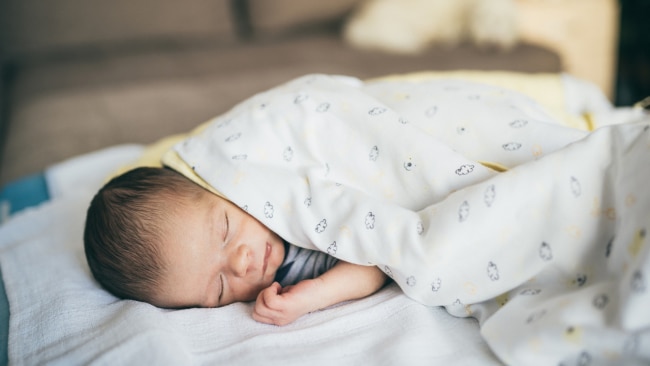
x,y
18,195
25,192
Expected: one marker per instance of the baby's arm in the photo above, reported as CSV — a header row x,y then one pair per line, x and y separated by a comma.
x,y
345,281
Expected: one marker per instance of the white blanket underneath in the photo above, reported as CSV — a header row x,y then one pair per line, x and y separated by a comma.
x,y
60,316
551,256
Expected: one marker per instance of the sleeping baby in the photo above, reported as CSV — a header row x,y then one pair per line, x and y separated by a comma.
x,y
466,195
323,162
153,235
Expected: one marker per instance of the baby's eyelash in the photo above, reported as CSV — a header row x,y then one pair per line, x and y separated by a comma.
x,y
220,290
225,233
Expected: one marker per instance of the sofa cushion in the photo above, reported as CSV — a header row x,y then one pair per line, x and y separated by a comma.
x,y
273,17
37,27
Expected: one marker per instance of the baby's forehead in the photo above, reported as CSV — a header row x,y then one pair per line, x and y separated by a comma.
x,y
218,200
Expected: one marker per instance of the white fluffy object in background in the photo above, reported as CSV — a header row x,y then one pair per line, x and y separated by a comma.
x,y
410,26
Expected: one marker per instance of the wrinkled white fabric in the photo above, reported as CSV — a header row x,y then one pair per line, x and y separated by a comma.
x,y
550,256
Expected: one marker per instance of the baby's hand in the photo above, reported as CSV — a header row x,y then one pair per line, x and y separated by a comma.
x,y
281,306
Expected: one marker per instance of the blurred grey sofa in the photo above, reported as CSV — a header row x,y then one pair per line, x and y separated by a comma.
x,y
80,75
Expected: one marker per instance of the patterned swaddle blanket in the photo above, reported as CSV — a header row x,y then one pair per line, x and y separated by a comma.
x,y
551,255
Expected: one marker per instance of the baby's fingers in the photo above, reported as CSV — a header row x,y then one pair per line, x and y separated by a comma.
x,y
270,296
266,298
270,306
264,314
263,319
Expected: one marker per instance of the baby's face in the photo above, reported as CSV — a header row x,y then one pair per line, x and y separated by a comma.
x,y
217,254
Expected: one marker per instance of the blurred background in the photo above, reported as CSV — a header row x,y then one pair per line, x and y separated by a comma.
x,y
81,75
633,70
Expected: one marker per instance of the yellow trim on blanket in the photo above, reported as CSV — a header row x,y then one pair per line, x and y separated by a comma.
x,y
494,166
171,159
153,154
589,121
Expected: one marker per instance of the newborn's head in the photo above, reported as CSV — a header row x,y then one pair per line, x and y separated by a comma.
x,y
153,235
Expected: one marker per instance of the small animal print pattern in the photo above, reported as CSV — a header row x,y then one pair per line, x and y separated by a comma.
x,y
535,316
233,137
287,154
377,111
465,169
545,252
463,211
518,123
600,301
374,153
431,111
511,146
576,188
409,165
370,221
638,282
411,281
493,271
332,248
436,284
322,225
580,279
388,271
419,228
489,195
530,292
323,107
268,210
300,98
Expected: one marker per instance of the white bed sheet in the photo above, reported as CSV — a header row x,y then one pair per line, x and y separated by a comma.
x,y
59,314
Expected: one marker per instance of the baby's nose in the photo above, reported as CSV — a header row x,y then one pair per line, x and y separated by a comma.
x,y
240,260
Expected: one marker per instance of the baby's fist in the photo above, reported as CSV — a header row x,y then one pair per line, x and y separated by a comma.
x,y
278,306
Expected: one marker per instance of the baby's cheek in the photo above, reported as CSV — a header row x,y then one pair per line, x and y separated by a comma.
x,y
251,291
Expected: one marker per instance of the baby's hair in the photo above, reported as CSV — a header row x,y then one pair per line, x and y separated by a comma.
x,y
125,223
